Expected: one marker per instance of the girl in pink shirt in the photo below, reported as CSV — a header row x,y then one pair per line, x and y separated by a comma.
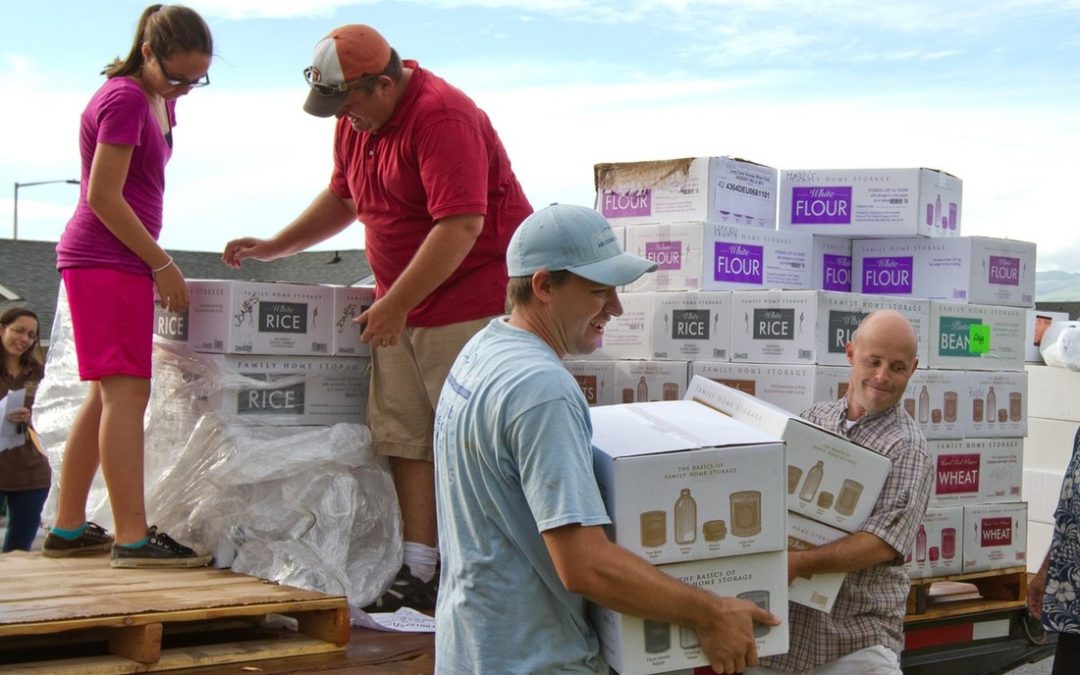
x,y
111,266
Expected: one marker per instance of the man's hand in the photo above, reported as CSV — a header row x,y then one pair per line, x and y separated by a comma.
x,y
246,247
726,636
1035,591
384,323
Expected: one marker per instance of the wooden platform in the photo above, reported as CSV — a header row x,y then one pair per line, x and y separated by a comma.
x,y
943,597
79,615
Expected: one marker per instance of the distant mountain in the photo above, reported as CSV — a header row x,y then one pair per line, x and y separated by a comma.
x,y
1057,286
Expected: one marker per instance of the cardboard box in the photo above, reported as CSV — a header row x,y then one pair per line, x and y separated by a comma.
x,y
976,470
719,189
691,325
979,270
633,646
1037,323
743,258
1048,388
810,326
1049,444
870,202
643,381
829,478
789,387
938,401
938,549
596,379
998,402
677,250
683,482
349,303
286,390
818,591
976,337
831,264
244,317
628,336
831,382
995,536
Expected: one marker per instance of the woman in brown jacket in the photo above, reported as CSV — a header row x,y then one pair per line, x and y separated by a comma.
x,y
25,475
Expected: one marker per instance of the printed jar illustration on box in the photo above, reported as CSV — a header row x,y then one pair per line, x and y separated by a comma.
x,y
684,482
935,551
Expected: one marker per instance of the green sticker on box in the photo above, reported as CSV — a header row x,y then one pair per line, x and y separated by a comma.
x,y
979,339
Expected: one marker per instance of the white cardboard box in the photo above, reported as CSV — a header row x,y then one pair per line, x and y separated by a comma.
x,y
810,326
633,646
642,381
870,202
1037,323
981,270
976,470
998,402
691,325
719,189
938,402
244,317
596,379
976,337
743,258
677,250
831,264
831,382
286,390
938,548
818,591
349,303
790,387
683,482
995,536
1050,393
818,462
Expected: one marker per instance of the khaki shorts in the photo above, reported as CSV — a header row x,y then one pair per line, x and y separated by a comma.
x,y
406,380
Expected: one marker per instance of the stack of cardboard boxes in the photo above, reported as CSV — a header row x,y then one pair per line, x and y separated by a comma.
x,y
763,277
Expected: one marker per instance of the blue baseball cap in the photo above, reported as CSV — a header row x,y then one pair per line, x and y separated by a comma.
x,y
576,239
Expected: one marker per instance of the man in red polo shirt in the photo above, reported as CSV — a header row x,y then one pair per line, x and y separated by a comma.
x,y
422,168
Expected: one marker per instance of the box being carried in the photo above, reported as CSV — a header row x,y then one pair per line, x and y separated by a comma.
x,y
684,482
790,387
829,478
980,270
818,591
246,317
634,646
870,202
719,189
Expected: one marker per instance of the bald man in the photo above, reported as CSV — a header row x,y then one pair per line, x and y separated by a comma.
x,y
864,633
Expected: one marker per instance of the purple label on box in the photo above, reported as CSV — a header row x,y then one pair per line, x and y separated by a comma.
x,y
821,205
626,204
887,275
739,263
1004,271
836,273
666,254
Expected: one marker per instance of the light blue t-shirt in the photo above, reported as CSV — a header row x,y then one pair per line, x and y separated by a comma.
x,y
513,457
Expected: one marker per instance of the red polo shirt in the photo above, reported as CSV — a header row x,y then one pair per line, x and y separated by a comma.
x,y
437,156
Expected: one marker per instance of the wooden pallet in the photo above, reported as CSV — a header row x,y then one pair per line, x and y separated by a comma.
x,y
934,598
79,615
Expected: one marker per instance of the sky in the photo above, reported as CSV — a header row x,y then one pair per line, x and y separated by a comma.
x,y
987,91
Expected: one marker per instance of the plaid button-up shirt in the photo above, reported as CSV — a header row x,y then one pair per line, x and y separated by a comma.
x,y
871,605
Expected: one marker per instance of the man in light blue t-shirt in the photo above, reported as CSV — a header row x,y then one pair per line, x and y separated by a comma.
x,y
519,511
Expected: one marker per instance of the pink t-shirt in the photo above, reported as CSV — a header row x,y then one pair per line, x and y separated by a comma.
x,y
119,113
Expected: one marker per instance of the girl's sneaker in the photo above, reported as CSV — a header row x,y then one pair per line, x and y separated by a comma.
x,y
93,539
159,550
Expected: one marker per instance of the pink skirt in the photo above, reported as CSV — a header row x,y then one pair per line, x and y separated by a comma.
x,y
112,316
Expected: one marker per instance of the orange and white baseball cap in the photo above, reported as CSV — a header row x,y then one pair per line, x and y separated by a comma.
x,y
341,58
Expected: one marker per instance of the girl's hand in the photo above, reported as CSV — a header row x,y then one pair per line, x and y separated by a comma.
x,y
171,288
19,416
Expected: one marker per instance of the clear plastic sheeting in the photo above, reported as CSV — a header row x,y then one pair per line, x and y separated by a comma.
x,y
1060,346
308,506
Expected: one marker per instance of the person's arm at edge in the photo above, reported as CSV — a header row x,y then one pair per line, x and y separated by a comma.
x,y
105,197
325,216
443,250
589,564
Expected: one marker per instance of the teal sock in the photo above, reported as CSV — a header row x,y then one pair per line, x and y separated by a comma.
x,y
138,544
70,535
